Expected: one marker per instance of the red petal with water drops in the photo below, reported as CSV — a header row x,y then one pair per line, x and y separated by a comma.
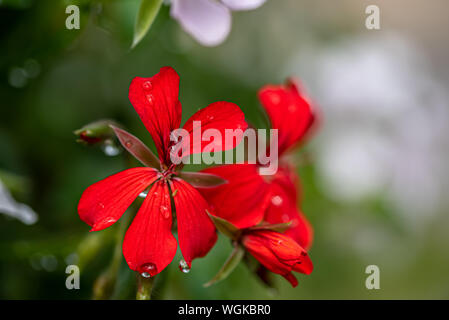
x,y
289,112
283,208
104,202
196,231
156,101
243,200
149,246
219,116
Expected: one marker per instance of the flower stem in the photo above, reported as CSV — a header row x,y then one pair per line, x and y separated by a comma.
x,y
105,284
144,287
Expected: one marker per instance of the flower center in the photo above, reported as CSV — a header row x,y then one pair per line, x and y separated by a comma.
x,y
168,172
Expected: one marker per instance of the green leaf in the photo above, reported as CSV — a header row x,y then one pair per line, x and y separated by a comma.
x,y
279,227
202,180
136,147
225,227
148,11
230,264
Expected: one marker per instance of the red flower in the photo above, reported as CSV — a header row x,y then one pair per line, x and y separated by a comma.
x,y
278,253
149,245
249,198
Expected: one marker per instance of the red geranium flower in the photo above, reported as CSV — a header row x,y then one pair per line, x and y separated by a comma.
x,y
149,245
273,249
248,198
278,253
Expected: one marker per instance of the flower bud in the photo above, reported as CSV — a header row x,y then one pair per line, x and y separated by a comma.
x,y
96,132
278,253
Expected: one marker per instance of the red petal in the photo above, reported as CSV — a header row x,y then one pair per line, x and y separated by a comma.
x,y
149,245
305,266
243,200
288,251
156,101
259,248
277,252
196,232
220,116
283,208
291,278
104,202
289,111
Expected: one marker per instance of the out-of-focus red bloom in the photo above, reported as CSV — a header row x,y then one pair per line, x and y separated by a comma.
x,y
278,253
149,245
249,198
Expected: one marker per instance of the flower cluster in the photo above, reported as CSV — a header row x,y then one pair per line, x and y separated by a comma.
x,y
259,213
250,199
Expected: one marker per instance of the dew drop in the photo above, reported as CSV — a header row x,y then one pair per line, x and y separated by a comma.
x,y
276,200
275,98
147,85
292,108
165,212
150,98
110,150
148,270
101,205
128,144
183,266
143,194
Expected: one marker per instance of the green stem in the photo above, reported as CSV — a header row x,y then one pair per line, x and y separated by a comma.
x,y
105,284
144,287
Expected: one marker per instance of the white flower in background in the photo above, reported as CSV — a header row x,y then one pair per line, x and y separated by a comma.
x,y
386,124
209,21
14,209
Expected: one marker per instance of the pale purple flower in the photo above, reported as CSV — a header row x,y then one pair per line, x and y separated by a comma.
x,y
209,21
12,208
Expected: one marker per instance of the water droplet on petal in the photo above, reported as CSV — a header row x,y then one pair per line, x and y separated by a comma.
x,y
148,270
101,205
147,85
150,98
128,144
143,194
276,200
165,212
275,98
183,266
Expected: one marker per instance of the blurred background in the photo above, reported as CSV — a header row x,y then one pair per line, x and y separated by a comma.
x,y
375,186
